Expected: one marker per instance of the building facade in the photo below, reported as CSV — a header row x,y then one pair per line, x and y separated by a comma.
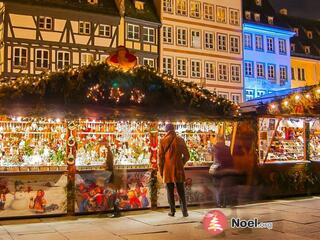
x,y
47,35
201,42
139,30
266,44
305,50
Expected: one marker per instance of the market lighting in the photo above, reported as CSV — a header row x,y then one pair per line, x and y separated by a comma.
x,y
297,97
318,91
273,106
286,103
308,95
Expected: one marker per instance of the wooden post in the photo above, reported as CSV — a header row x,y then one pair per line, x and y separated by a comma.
x,y
272,138
153,131
306,139
71,156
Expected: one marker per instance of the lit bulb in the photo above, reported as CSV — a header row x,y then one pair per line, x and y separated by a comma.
x,y
286,103
308,95
297,97
273,106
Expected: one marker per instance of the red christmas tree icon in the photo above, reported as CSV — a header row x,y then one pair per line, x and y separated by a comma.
x,y
215,222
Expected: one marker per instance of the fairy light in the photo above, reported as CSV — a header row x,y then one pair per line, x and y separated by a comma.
x,y
273,106
297,97
286,103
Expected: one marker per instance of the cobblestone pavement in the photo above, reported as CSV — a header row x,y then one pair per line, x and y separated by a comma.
x,y
292,219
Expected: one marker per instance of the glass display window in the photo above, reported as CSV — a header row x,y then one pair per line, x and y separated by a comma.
x,y
128,141
314,143
26,143
281,140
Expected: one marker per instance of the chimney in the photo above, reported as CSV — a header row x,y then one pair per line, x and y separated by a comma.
x,y
284,11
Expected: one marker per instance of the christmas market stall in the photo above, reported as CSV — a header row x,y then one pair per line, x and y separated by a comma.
x,y
60,131
288,140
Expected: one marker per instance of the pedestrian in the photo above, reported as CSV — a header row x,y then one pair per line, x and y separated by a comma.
x,y
224,174
112,182
173,155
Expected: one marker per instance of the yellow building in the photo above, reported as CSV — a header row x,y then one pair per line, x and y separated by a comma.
x,y
305,50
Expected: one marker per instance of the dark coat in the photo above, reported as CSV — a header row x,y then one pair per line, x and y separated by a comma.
x,y
173,155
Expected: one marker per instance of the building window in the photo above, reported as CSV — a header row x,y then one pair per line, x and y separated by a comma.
x,y
167,65
236,98
296,30
208,11
234,44
167,6
260,70
19,57
195,39
210,71
248,69
271,71
283,73
42,58
45,23
293,47
270,20
292,74
222,42
301,74
181,67
84,27
307,49
260,93
63,59
234,17
182,36
195,8
282,46
221,14
249,94
257,17
247,40
222,72
259,42
209,42
224,95
105,30
182,7
148,62
235,73
148,34
86,59
310,34
133,32
195,69
270,44
167,34
103,58
248,15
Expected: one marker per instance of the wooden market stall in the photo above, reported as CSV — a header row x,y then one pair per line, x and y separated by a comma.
x,y
57,129
288,127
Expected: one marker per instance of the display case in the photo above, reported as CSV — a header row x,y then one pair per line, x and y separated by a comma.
x,y
32,144
200,138
128,140
281,140
314,142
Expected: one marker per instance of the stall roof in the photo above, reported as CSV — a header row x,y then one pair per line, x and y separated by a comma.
x,y
75,111
251,106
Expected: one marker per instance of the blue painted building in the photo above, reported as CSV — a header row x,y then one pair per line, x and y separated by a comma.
x,y
266,43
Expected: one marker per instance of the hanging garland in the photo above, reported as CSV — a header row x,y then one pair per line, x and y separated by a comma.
x,y
306,102
102,84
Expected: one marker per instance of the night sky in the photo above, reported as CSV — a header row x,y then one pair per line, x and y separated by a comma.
x,y
301,8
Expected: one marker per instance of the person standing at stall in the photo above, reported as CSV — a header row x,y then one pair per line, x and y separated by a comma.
x,y
173,155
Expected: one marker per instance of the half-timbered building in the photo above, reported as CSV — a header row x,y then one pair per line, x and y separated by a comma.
x,y
47,35
140,27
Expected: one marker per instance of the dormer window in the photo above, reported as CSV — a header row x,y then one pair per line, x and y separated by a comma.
x,y
309,34
293,47
307,49
257,17
258,2
93,2
296,30
139,5
248,15
270,20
